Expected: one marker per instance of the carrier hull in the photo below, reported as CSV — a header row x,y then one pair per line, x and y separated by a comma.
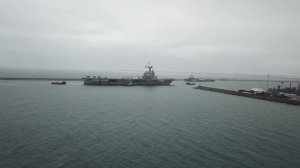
x,y
127,82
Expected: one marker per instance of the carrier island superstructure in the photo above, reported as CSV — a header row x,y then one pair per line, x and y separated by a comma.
x,y
148,79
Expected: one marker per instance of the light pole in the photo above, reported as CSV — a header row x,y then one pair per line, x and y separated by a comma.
x,y
268,82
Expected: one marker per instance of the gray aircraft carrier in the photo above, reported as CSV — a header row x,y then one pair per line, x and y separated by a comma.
x,y
148,79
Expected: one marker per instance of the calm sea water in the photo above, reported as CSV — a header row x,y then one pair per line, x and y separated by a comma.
x,y
43,125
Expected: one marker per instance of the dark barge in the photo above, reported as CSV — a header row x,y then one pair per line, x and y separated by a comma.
x,y
59,83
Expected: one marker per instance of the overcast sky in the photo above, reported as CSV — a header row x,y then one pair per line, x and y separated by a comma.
x,y
218,36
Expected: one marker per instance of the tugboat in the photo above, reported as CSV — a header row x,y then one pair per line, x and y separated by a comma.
x,y
148,79
59,83
190,83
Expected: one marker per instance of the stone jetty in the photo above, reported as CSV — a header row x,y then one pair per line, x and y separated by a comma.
x,y
263,95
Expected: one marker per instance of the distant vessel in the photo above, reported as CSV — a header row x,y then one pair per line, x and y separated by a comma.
x,y
148,79
130,84
190,83
191,78
206,80
59,83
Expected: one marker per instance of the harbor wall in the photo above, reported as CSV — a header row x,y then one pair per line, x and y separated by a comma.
x,y
261,96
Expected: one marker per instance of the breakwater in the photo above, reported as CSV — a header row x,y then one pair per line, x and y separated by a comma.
x,y
262,96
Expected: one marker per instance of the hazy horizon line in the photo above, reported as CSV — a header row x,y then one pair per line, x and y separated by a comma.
x,y
140,70
30,71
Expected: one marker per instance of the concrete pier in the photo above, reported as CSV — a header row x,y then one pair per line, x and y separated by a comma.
x,y
263,96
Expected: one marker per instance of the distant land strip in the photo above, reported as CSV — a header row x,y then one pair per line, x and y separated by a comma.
x,y
250,80
43,79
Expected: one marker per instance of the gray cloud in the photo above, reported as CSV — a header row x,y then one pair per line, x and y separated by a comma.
x,y
233,36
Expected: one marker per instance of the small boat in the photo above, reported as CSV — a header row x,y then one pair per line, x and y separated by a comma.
x,y
190,83
130,84
59,83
